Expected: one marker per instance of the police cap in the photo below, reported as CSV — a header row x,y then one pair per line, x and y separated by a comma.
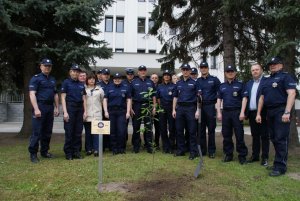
x,y
129,71
230,68
185,66
194,71
203,64
46,62
142,67
75,67
117,75
275,60
105,71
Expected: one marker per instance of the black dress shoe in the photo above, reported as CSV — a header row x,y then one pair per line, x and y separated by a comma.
x,y
193,156
69,158
253,159
227,158
47,155
88,153
77,156
179,154
242,160
34,158
211,155
276,173
96,153
264,162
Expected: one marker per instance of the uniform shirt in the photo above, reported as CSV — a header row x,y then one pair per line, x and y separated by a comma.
x,y
274,89
74,90
45,87
139,86
186,91
127,84
165,93
232,94
103,85
208,88
117,95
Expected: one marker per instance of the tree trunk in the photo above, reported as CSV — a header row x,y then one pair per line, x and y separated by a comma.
x,y
289,57
228,40
28,71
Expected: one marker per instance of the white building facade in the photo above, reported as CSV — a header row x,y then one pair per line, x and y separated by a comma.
x,y
125,28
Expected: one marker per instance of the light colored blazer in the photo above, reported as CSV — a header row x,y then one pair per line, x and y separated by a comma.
x,y
94,98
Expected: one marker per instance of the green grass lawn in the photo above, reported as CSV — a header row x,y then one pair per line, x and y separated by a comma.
x,y
168,178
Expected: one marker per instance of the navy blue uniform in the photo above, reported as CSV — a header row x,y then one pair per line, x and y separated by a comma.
x,y
74,91
45,87
259,132
127,84
208,88
166,120
275,99
186,93
106,138
232,95
138,103
117,96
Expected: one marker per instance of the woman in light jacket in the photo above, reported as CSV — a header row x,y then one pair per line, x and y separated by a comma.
x,y
94,98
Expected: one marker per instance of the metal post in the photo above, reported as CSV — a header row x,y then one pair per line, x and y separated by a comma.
x,y
100,163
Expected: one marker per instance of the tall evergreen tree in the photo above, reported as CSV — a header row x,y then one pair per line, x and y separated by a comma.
x,y
62,30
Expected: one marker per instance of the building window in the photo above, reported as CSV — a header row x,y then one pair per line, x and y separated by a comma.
x,y
141,25
120,25
150,24
172,31
213,62
119,50
152,51
153,1
141,0
108,24
141,51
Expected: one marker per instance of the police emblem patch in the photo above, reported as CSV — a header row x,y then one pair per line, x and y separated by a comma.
x,y
235,93
274,85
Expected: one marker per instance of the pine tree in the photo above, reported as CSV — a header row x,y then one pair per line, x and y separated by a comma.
x,y
62,30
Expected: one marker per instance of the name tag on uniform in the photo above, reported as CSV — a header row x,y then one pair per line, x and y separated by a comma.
x,y
100,127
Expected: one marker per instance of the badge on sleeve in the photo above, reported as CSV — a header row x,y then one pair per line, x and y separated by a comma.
x,y
274,85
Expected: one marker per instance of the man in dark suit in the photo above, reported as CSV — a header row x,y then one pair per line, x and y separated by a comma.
x,y
259,132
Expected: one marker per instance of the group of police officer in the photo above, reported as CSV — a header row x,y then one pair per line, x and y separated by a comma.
x,y
188,108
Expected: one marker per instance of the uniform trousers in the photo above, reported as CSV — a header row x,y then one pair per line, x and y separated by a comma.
x,y
185,119
279,134
73,129
230,122
41,129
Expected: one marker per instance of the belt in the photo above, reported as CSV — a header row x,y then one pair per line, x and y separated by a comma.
x,y
116,108
231,108
74,104
46,102
209,102
275,107
186,104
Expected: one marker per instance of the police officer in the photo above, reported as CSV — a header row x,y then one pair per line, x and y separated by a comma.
x,y
231,93
127,82
185,112
99,76
117,105
208,86
278,96
259,132
155,79
142,85
73,102
165,92
42,94
194,74
105,82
